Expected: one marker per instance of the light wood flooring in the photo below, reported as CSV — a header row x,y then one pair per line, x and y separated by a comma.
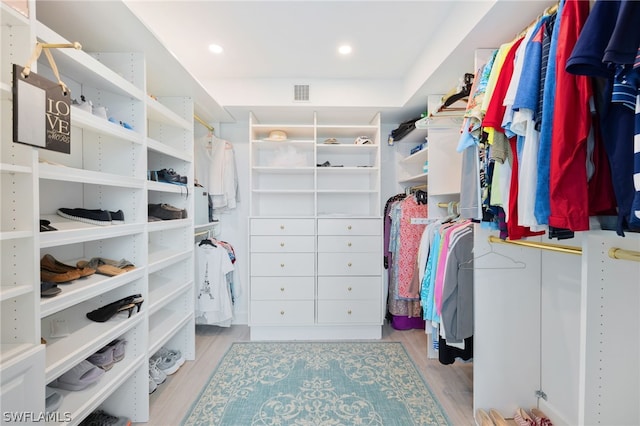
x,y
451,384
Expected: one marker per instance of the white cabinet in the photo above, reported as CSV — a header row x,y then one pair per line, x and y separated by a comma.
x,y
106,169
315,231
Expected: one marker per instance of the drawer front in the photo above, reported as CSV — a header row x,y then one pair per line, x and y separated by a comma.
x,y
349,226
282,288
282,244
349,264
337,243
291,312
282,264
349,312
283,227
349,288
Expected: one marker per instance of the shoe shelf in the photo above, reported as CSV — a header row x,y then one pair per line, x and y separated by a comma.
x,y
161,257
160,148
86,288
68,174
164,324
167,224
89,122
79,404
85,336
167,187
71,232
159,113
411,168
163,290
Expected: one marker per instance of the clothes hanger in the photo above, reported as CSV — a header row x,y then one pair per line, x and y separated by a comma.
x,y
513,264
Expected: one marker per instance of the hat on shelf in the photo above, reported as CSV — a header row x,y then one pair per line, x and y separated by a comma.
x,y
363,140
277,136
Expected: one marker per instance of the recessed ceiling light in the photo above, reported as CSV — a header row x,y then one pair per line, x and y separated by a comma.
x,y
214,48
345,49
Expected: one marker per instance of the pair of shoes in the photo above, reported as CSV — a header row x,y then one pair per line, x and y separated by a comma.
x,y
51,264
107,267
49,289
102,418
106,312
482,418
58,277
540,418
522,418
78,377
108,355
166,212
94,217
45,225
167,176
158,376
83,104
168,360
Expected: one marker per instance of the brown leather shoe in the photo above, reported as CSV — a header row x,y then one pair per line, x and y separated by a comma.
x,y
51,264
55,277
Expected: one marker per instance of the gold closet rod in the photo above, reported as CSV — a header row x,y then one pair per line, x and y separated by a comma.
x,y
544,246
204,123
618,253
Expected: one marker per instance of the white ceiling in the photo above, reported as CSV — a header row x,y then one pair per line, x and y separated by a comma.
x,y
402,50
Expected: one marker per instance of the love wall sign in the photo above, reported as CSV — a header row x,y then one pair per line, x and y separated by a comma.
x,y
41,112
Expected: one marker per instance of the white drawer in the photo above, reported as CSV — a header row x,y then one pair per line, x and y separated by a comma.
x,y
355,226
282,288
282,264
349,263
349,312
282,244
291,312
349,288
283,227
336,243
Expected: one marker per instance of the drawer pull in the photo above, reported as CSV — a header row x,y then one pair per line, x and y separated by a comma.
x,y
281,226
349,264
282,265
349,244
281,312
349,227
281,288
349,311
281,244
349,288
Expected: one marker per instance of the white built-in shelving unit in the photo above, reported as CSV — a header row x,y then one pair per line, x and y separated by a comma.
x,y
315,230
106,169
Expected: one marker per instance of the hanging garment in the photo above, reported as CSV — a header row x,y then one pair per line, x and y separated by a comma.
x,y
410,234
213,304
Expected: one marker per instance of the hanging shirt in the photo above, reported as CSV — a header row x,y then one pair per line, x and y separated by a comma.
x,y
410,235
213,297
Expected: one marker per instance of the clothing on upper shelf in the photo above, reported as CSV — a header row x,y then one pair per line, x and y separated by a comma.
x,y
215,168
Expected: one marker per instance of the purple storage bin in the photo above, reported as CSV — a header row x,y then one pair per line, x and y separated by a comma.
x,y
407,323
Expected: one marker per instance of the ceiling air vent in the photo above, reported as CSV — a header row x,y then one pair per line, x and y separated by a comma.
x,y
301,93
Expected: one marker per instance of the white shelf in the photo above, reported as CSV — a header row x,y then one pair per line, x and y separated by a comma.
x,y
86,288
163,291
87,121
70,231
12,17
69,174
15,235
283,191
12,168
168,224
10,292
66,352
284,170
160,113
166,187
160,257
11,350
417,157
163,325
420,178
159,147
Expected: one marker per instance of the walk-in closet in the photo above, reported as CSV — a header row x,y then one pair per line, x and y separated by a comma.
x,y
390,212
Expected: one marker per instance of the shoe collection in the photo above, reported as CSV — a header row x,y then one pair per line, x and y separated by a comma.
x,y
99,111
521,418
163,363
93,217
166,176
54,272
165,212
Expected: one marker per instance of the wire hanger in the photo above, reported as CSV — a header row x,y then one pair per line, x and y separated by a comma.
x,y
513,264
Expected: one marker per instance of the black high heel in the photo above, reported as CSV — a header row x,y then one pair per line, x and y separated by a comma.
x,y
106,312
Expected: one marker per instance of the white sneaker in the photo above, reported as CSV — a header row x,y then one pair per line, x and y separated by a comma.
x,y
174,354
155,373
152,385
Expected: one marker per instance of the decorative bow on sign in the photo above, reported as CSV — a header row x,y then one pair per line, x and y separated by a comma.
x,y
41,110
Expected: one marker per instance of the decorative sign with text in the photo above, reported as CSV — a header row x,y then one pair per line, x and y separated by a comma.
x,y
41,112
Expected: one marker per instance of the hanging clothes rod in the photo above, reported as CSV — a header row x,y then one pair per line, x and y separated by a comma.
x,y
618,253
204,123
534,244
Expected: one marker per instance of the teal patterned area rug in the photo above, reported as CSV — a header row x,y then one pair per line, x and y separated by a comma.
x,y
316,384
